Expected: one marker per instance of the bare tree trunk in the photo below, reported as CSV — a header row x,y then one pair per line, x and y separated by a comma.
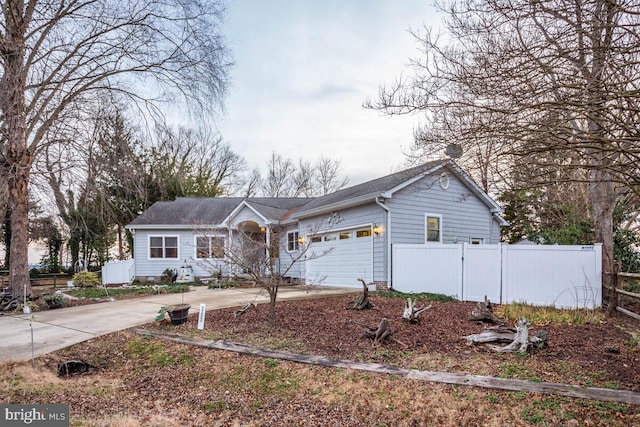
x,y
120,244
273,294
17,158
603,201
19,251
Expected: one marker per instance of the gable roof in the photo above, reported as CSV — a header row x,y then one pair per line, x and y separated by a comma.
x,y
386,186
211,211
217,211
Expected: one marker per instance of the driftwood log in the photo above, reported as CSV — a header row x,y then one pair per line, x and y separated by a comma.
x,y
411,312
244,309
518,339
74,367
362,302
484,312
378,333
9,304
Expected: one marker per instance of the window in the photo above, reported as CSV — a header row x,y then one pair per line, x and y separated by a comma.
x,y
329,237
433,228
316,239
363,233
345,235
292,241
476,240
163,247
209,247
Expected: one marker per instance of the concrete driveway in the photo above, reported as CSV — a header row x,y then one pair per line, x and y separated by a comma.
x,y
56,329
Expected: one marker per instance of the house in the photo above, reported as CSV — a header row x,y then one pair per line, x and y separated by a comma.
x,y
331,240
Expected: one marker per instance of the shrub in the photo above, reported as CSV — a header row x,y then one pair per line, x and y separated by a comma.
x,y
167,275
86,279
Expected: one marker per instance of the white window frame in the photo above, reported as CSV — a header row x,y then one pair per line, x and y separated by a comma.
x,y
209,237
426,231
293,245
476,240
164,246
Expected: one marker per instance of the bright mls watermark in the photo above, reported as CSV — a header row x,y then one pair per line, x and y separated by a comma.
x,y
53,415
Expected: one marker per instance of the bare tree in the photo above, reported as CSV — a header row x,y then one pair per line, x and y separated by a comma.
x,y
252,184
307,179
536,81
327,176
198,161
263,258
303,179
60,54
279,182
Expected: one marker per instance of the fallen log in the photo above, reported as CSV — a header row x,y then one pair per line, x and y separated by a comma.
x,y
411,312
518,338
484,312
244,309
500,334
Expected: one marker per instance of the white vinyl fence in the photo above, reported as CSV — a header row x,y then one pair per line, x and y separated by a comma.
x,y
118,272
560,276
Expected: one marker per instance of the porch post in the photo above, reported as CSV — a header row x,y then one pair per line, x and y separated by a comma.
x,y
268,242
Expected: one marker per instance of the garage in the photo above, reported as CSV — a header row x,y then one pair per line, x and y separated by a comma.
x,y
339,258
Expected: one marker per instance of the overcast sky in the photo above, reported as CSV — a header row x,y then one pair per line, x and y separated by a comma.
x,y
304,68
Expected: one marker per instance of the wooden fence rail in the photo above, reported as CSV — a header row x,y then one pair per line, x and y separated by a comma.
x,y
623,294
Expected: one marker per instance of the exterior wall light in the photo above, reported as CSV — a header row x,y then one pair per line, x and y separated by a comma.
x,y
300,240
263,229
377,229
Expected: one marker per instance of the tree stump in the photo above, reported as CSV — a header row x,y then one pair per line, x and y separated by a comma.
x,y
362,302
411,312
379,334
484,312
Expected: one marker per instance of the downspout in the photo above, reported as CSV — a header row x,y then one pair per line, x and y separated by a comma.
x,y
387,236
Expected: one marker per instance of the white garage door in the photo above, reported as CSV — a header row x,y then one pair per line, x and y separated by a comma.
x,y
340,258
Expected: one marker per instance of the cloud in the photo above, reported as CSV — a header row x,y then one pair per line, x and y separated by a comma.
x,y
303,70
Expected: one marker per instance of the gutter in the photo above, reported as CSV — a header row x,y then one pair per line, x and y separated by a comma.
x,y
387,236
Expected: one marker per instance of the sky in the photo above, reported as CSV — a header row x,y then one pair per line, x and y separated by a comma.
x,y
302,72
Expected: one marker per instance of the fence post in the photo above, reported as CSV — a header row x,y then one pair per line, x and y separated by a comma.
x,y
614,296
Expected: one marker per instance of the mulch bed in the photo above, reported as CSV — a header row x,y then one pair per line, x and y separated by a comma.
x,y
600,354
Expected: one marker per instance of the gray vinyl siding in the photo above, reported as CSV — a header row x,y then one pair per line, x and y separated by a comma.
x,y
463,215
287,266
146,267
365,215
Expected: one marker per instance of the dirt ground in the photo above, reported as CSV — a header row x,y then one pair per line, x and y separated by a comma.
x,y
143,381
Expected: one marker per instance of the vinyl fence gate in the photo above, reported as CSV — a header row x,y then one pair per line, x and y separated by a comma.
x,y
548,275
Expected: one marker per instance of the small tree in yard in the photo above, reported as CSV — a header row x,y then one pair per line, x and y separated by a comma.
x,y
254,256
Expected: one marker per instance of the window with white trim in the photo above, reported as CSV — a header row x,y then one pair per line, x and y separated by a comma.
x,y
292,241
476,240
210,247
433,228
163,247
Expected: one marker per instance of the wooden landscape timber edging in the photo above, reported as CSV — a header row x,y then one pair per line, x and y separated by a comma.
x,y
592,393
